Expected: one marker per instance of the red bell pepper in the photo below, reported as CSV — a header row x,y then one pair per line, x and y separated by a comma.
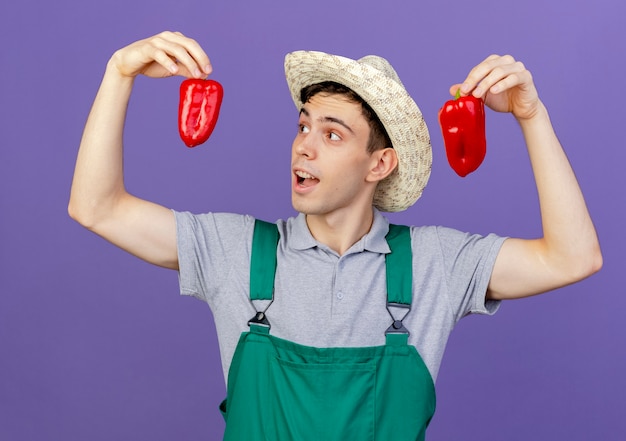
x,y
462,122
198,109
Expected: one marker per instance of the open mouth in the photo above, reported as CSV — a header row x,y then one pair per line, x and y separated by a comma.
x,y
305,179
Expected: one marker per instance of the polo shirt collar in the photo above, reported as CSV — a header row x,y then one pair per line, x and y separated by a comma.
x,y
374,240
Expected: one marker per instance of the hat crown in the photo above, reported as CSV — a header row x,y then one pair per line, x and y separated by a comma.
x,y
381,65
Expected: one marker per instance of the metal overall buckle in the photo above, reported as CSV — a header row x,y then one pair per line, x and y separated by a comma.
x,y
397,327
260,318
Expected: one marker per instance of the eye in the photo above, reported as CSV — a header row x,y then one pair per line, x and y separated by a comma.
x,y
302,128
334,137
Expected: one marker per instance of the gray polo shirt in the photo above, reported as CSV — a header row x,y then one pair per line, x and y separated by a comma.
x,y
322,299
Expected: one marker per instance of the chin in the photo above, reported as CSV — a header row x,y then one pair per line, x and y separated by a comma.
x,y
303,207
300,207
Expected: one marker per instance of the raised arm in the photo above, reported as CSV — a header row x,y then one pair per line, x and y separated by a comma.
x,y
98,199
569,250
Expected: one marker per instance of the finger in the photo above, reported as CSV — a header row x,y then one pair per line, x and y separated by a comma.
x,y
161,57
453,89
485,74
194,50
503,77
475,75
181,55
199,55
171,48
513,79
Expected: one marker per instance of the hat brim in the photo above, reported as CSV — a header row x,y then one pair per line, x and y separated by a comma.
x,y
395,108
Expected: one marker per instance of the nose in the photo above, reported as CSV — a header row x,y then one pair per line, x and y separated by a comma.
x,y
303,146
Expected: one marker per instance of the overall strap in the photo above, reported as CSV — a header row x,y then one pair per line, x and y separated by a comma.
x,y
399,269
262,269
399,264
263,260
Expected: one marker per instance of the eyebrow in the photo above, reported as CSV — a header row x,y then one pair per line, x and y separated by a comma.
x,y
328,119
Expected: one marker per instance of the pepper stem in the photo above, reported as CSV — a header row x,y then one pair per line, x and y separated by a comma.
x,y
457,95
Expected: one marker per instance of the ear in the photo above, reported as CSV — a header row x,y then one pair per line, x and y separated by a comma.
x,y
384,162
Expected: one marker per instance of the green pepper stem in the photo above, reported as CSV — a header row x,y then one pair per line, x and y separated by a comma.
x,y
457,95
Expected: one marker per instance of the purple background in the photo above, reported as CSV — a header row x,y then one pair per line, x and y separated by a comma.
x,y
97,345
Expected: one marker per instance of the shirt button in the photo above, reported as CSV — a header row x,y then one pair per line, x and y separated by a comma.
x,y
340,295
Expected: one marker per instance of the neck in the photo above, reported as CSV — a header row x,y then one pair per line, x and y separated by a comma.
x,y
339,231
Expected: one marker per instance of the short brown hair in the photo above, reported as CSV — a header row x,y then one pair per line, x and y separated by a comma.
x,y
378,138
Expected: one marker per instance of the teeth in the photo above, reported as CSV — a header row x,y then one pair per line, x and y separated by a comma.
x,y
304,175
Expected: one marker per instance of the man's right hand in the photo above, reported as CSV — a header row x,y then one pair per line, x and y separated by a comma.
x,y
162,55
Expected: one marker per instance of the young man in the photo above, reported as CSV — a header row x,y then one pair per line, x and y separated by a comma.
x,y
320,359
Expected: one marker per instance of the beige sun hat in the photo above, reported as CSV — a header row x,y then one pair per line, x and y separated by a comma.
x,y
375,80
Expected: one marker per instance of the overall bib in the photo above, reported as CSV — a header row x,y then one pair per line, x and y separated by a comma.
x,y
280,390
